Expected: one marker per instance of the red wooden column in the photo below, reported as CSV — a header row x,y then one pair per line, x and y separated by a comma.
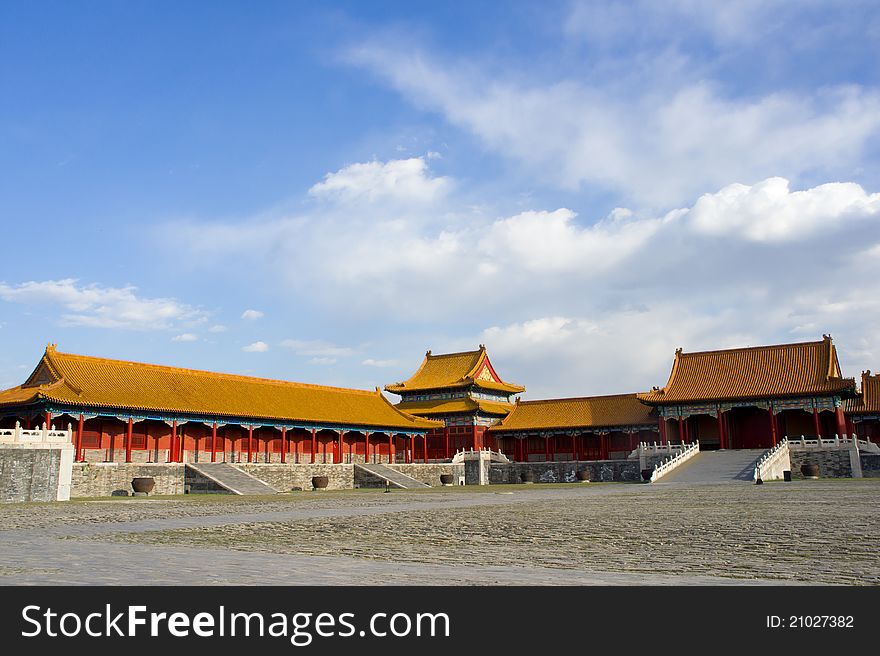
x,y
476,438
250,448
339,451
390,449
603,447
721,430
816,424
681,429
283,444
574,451
214,442
48,419
446,443
546,449
128,440
172,451
366,446
662,430
841,421
314,443
78,445
425,445
773,435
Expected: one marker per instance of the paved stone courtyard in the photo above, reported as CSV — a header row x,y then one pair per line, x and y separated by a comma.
x,y
801,532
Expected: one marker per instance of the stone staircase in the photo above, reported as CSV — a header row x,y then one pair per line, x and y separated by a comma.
x,y
392,476
729,465
231,479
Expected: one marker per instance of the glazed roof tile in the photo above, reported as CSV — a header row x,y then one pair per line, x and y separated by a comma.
x,y
452,406
583,412
451,370
801,369
90,382
868,401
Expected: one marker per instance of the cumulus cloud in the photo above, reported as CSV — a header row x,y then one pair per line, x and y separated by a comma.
x,y
655,146
602,302
256,347
400,180
94,305
185,337
769,211
251,315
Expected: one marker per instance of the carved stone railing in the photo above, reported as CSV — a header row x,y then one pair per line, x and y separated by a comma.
x,y
493,456
44,434
836,441
672,462
770,465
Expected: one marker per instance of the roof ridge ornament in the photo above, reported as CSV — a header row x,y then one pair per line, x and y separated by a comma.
x,y
428,353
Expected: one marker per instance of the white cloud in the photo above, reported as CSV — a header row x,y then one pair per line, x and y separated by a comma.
x,y
184,337
316,348
256,347
400,179
769,211
584,305
370,362
252,315
217,328
659,145
97,306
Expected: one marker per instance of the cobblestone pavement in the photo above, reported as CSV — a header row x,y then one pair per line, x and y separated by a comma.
x,y
801,532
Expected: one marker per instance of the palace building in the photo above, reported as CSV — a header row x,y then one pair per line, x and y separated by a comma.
x,y
743,398
464,392
749,398
133,412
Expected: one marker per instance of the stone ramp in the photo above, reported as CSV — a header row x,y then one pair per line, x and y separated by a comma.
x,y
729,465
394,477
232,478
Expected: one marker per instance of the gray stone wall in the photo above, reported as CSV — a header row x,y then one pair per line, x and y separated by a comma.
x,y
559,472
870,465
105,479
429,473
833,462
28,474
287,477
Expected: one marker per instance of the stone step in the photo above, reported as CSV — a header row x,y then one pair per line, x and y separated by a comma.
x,y
393,476
729,465
232,478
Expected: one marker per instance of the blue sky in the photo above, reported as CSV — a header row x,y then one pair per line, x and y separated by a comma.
x,y
321,192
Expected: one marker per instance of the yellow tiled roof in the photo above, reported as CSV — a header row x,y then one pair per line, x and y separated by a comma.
x,y
584,412
90,382
455,370
869,399
450,406
805,368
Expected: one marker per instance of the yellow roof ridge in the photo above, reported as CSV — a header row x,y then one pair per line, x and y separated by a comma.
x,y
215,374
826,339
